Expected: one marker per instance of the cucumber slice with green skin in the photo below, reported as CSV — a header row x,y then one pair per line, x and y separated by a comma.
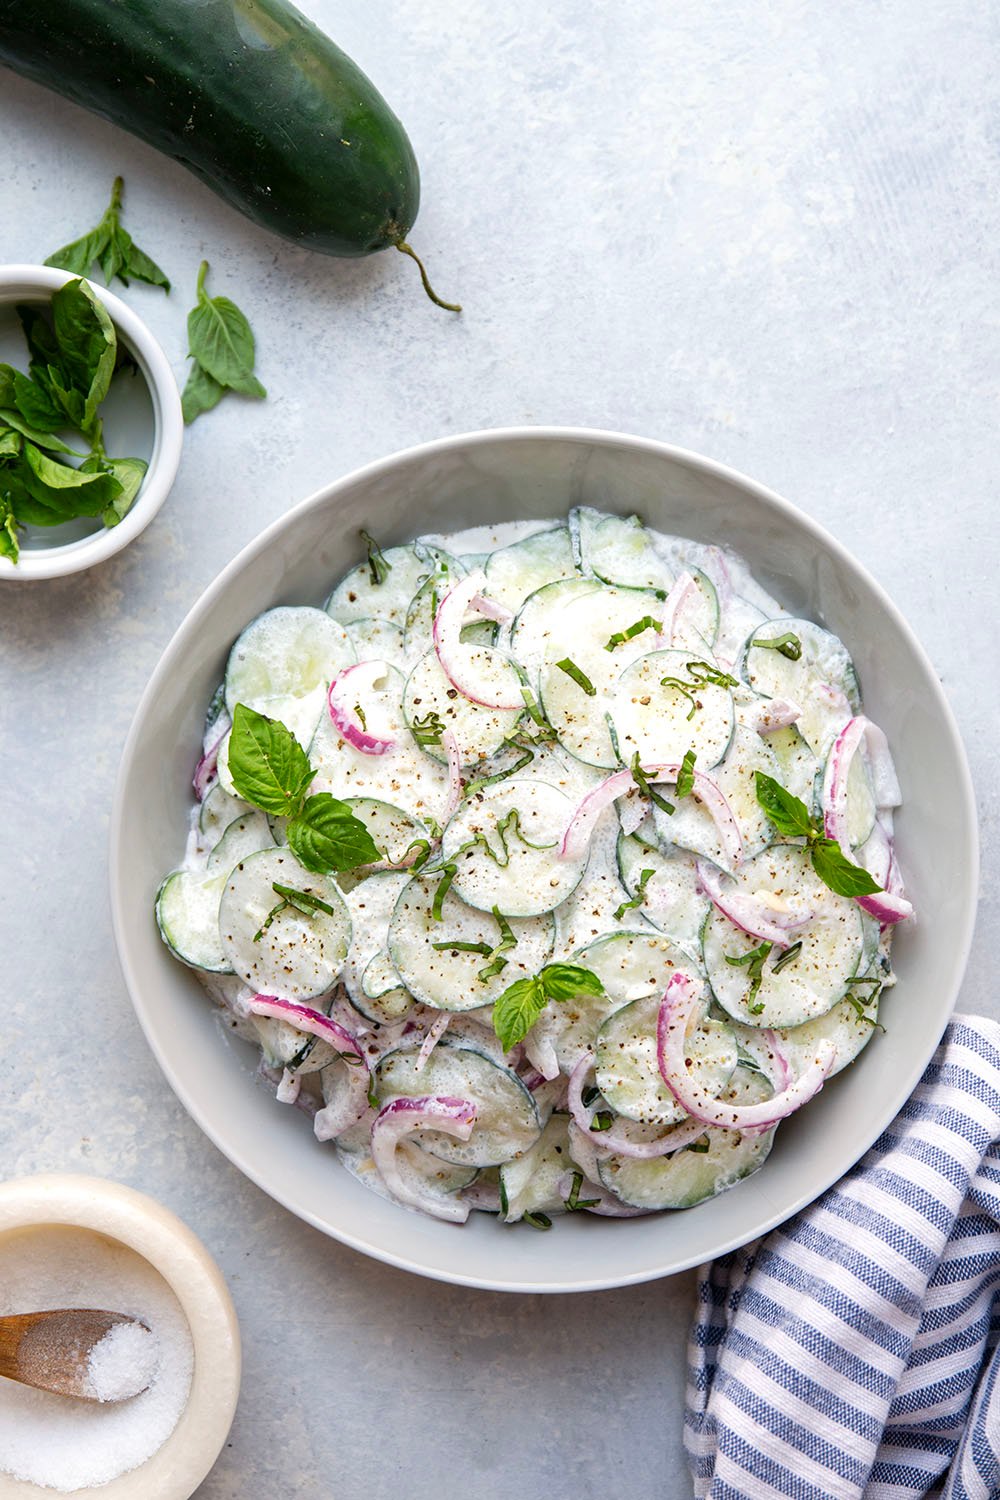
x,y
540,621
426,1173
297,957
392,828
216,717
628,1073
798,765
581,637
284,1047
381,998
848,1029
697,622
379,640
515,572
861,806
823,664
507,1122
737,622
671,897
530,1183
216,813
404,777
593,907
371,904
655,719
283,664
621,550
244,836
689,1177
447,978
422,608
691,826
834,946
479,732
358,597
187,914
505,842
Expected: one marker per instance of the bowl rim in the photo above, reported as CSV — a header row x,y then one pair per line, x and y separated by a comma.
x,y
62,559
963,793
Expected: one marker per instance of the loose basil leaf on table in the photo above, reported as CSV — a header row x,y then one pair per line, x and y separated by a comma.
x,y
221,342
112,247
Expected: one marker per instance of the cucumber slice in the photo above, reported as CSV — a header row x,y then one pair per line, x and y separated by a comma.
x,y
187,914
447,978
861,806
404,777
627,1071
358,596
540,621
381,997
244,835
798,765
479,732
422,608
216,718
505,842
671,897
514,572
426,1173
284,1047
697,623
530,1183
689,1176
283,664
621,550
691,826
379,640
593,908
371,904
579,713
823,664
834,945
217,812
393,829
507,1122
296,957
849,1029
661,722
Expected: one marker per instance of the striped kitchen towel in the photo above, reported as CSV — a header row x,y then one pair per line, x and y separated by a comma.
x,y
854,1351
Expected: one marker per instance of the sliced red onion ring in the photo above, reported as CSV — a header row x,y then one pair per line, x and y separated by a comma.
x,y
346,689
452,654
672,606
676,1009
303,1100
482,1195
746,912
598,1199
450,744
885,907
581,824
490,609
314,1022
206,771
541,1053
399,1119
430,1041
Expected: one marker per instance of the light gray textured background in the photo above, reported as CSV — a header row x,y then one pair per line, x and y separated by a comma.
x,y
765,231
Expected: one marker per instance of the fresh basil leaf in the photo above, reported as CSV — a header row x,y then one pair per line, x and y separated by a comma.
x,y
268,766
326,836
566,981
87,343
685,776
112,247
10,442
221,340
9,545
129,473
42,347
78,492
7,373
838,872
790,816
35,404
517,1010
200,394
47,440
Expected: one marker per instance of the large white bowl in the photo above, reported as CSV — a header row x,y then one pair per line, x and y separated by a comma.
x,y
492,476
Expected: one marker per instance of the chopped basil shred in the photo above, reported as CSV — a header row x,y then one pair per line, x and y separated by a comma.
x,y
644,878
788,644
754,964
579,677
789,956
685,776
621,636
379,567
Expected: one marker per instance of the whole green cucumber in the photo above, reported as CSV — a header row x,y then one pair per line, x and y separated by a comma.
x,y
248,94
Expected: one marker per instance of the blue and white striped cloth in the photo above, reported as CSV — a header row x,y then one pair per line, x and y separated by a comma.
x,y
853,1352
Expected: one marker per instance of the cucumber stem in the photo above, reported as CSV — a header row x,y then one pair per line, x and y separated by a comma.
x,y
432,294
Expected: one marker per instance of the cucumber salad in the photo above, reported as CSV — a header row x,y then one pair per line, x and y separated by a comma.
x,y
550,866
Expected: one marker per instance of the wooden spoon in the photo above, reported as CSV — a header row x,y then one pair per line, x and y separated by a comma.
x,y
51,1350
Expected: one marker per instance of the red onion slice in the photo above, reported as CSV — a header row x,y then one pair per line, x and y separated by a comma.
x,y
581,824
746,912
454,656
617,1141
673,604
490,609
401,1118
773,714
886,908
314,1022
434,1034
676,1009
346,690
206,770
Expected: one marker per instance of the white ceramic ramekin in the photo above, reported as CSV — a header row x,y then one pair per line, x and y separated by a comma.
x,y
177,1468
36,284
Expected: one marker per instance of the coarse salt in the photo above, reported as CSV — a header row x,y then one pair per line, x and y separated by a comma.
x,y
68,1444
